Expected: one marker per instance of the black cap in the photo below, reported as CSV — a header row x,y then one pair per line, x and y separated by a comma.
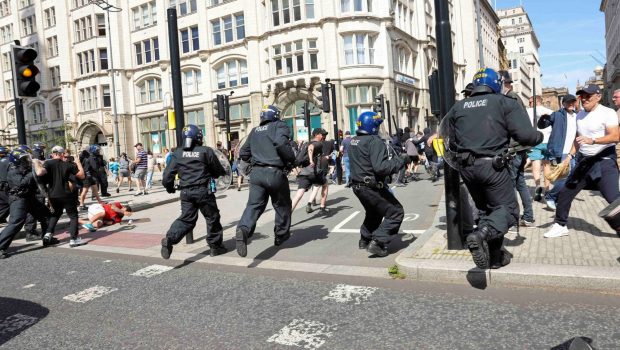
x,y
505,76
590,89
317,131
569,98
469,88
138,144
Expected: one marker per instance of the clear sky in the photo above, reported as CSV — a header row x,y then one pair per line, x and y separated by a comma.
x,y
569,31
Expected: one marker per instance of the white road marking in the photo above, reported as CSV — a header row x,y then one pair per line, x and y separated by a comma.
x,y
411,217
71,272
152,270
339,229
29,286
89,294
107,261
15,323
303,334
413,232
344,293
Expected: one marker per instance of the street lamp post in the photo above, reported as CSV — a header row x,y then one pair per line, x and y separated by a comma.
x,y
104,5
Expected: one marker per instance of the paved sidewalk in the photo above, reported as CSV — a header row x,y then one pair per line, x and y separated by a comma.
x,y
588,258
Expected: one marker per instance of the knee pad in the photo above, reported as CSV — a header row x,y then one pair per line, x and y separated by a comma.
x,y
611,214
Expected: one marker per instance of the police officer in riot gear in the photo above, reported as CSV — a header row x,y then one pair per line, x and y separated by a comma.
x,y
370,166
268,150
479,130
22,189
4,186
38,152
197,167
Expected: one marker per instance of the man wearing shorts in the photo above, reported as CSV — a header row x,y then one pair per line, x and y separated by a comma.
x,y
105,214
538,154
141,163
312,174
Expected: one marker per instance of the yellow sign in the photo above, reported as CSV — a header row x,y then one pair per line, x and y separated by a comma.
x,y
172,121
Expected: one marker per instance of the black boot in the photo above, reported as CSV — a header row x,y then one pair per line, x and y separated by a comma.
x,y
242,243
363,243
377,248
166,248
498,257
217,249
281,239
478,247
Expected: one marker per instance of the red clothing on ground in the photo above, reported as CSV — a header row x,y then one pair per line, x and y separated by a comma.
x,y
110,214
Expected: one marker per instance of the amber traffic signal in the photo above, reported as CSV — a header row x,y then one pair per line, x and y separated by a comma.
x,y
24,71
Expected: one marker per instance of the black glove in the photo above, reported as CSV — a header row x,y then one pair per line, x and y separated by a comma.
x,y
171,189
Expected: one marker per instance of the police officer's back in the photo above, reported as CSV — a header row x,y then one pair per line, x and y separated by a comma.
x,y
4,186
197,166
269,151
479,130
369,164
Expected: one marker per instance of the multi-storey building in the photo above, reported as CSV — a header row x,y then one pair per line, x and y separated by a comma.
x,y
611,8
261,52
519,38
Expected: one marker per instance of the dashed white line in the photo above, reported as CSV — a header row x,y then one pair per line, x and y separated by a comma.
x,y
344,293
304,334
152,270
15,323
107,261
89,294
71,272
29,286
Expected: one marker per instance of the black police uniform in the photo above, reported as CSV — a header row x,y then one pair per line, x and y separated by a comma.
x,y
31,223
4,188
480,128
102,175
22,189
196,166
370,165
269,151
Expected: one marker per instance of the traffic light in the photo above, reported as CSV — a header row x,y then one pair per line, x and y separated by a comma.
x,y
306,111
24,71
324,98
220,107
378,106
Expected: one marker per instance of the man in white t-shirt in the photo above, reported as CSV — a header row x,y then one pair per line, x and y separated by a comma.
x,y
538,154
595,152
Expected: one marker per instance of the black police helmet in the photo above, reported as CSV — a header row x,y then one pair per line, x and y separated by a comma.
x,y
192,135
269,114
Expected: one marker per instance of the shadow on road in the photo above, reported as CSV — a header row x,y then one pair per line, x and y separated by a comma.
x,y
17,315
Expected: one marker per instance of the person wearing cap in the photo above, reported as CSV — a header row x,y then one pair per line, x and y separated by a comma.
x,y
62,195
563,124
594,150
268,149
312,173
507,89
468,89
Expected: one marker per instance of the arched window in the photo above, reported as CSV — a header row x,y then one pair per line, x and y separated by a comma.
x,y
232,73
404,63
192,81
37,113
149,90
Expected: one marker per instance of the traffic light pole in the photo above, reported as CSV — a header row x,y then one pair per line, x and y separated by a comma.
x,y
20,122
447,99
228,133
117,143
389,116
177,88
335,121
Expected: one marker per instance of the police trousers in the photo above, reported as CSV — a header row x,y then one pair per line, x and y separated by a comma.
x,y
265,183
494,194
193,199
384,213
31,222
102,178
20,207
4,205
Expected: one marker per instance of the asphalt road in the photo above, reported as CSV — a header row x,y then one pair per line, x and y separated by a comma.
x,y
71,299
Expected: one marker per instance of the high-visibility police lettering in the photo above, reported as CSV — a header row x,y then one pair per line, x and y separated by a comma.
x,y
262,128
475,104
191,154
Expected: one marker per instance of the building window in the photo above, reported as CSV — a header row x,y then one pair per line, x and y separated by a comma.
x,y
226,23
103,59
232,73
359,99
80,3
521,50
55,76
105,95
86,62
37,113
192,82
144,15
189,39
356,6
291,58
101,29
217,35
185,7
359,49
88,98
240,111
5,8
6,61
404,60
50,17
240,26
153,133
8,86
197,118
29,25
147,51
83,28
25,3
57,110
52,46
288,11
149,90
7,33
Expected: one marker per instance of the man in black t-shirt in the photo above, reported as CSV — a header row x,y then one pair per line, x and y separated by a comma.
x,y
313,173
62,194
